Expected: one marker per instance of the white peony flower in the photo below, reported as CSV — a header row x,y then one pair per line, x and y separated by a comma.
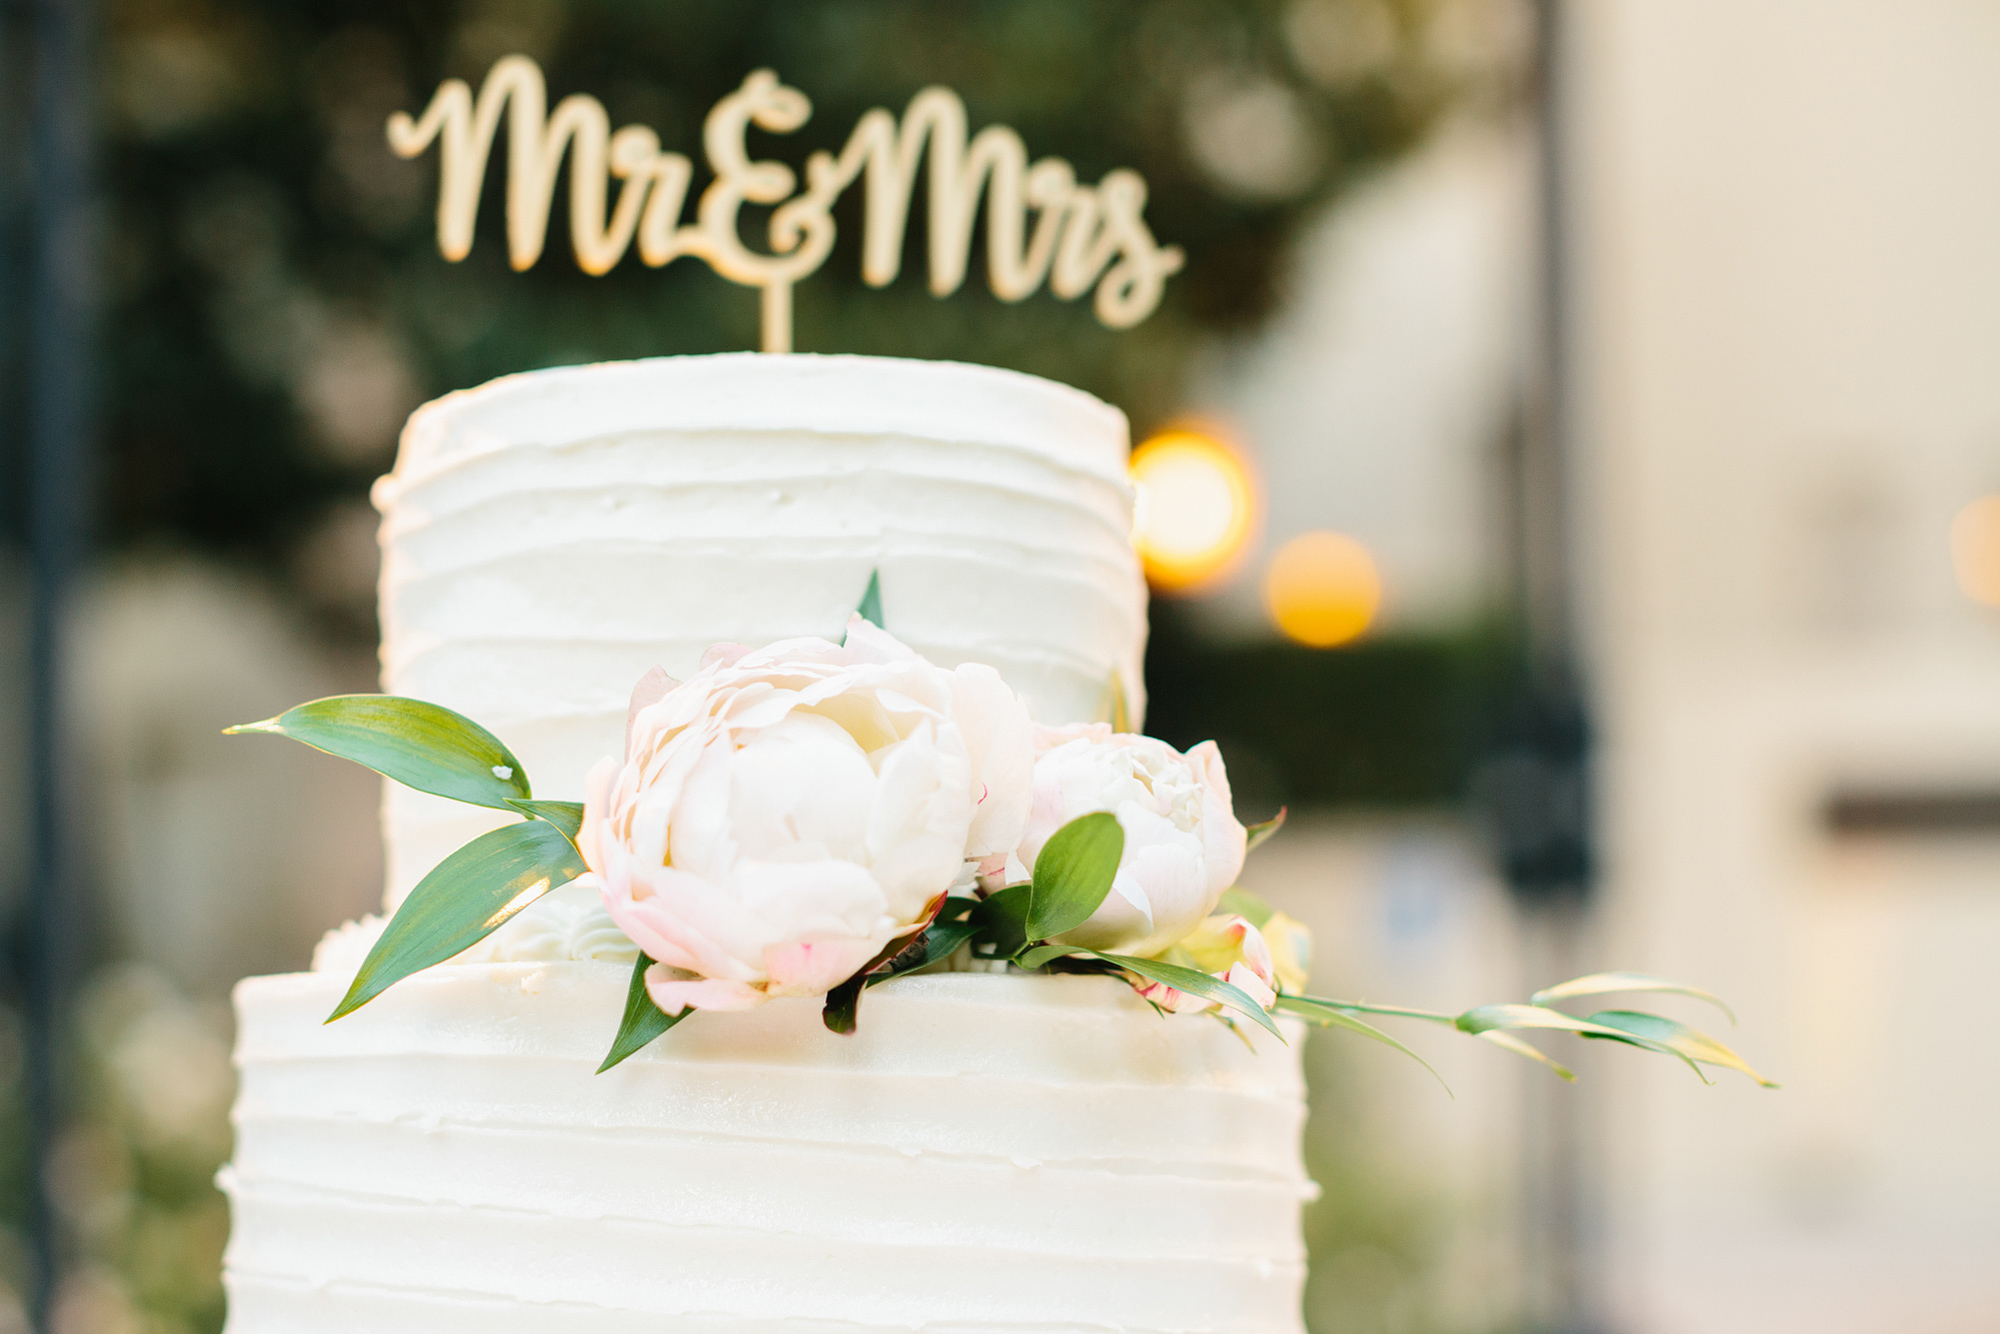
x,y
786,813
1183,845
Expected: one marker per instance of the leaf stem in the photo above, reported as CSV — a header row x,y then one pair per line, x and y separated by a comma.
x,y
1361,1007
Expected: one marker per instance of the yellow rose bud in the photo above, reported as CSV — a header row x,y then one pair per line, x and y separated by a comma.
x,y
1291,944
1215,944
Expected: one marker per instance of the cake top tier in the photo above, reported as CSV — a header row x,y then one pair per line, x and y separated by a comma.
x,y
941,401
549,537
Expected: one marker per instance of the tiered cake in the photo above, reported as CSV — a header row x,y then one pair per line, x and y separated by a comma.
x,y
989,1152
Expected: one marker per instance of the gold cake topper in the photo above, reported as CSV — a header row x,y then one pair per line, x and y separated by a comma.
x,y
1083,236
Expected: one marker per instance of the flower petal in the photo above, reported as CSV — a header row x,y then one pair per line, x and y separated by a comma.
x,y
814,967
999,746
675,994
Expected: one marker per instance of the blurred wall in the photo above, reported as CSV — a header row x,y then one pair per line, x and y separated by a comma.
x,y
1376,399
213,856
1788,320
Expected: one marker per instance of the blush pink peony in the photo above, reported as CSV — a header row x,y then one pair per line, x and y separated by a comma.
x,y
786,813
1183,843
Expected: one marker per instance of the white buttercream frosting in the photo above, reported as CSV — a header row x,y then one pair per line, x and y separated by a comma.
x,y
549,537
987,1153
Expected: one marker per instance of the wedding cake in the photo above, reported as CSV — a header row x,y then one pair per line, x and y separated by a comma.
x,y
992,1149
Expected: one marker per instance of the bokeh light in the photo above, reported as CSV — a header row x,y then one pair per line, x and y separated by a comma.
x,y
1322,589
1196,508
1975,550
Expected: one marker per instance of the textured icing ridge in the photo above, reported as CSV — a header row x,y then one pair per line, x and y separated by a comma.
x,y
997,1153
549,537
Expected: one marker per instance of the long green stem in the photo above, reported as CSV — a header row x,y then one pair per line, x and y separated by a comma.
x,y
1359,1007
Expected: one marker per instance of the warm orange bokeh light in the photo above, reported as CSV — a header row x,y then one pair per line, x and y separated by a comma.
x,y
1196,508
1975,550
1322,589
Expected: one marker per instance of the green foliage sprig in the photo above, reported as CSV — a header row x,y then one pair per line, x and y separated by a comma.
x,y
1501,1024
1073,876
483,885
469,895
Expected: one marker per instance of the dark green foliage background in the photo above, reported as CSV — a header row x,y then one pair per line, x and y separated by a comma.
x,y
278,189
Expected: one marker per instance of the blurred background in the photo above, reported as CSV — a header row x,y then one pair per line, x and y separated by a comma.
x,y
1572,486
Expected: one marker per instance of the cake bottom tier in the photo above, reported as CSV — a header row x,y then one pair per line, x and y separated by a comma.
x,y
988,1153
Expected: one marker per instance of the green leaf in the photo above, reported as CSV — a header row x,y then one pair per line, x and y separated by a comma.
x,y
564,815
1001,920
1510,1017
1500,1037
1260,832
1678,1037
643,1021
1195,983
1246,905
842,1011
843,1003
462,901
940,940
1073,873
870,609
1328,1014
424,746
1599,984
1042,955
